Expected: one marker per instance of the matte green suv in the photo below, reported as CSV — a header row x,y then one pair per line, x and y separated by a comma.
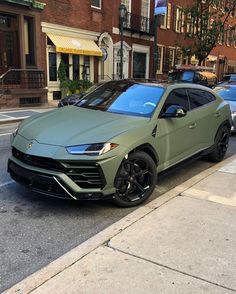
x,y
115,140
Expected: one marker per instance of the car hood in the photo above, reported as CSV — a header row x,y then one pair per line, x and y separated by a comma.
x,y
73,125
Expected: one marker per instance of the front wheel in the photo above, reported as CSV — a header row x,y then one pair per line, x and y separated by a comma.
x,y
220,146
135,180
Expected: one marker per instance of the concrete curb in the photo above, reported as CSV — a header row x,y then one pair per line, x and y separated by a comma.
x,y
54,268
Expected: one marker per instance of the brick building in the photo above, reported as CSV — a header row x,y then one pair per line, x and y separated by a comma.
x,y
35,36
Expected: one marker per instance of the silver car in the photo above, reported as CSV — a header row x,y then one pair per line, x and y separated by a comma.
x,y
228,93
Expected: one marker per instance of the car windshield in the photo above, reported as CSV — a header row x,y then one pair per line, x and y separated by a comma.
x,y
187,76
227,92
128,98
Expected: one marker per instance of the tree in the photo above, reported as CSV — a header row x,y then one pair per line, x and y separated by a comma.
x,y
206,22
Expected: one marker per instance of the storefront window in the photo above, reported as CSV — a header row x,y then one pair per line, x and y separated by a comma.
x,y
65,59
86,68
52,66
76,73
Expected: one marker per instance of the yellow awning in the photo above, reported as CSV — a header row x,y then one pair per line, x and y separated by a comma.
x,y
75,46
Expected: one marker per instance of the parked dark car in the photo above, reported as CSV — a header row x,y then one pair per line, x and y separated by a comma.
x,y
228,78
74,98
193,75
228,93
70,100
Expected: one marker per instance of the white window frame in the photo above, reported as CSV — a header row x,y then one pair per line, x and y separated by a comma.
x,y
97,7
167,18
129,4
159,71
179,21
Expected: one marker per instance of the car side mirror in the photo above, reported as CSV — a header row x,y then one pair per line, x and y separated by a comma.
x,y
174,111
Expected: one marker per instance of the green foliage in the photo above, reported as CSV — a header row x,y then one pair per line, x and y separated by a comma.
x,y
204,25
62,72
71,86
76,86
83,85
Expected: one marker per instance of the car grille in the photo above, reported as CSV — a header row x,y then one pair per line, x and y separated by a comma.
x,y
85,175
38,182
38,161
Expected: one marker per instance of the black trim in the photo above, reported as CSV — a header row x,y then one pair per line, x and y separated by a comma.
x,y
46,184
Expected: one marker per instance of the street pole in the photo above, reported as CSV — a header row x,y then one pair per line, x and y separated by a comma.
x,y
122,15
121,48
155,53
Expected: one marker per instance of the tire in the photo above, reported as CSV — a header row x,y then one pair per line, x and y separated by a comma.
x,y
220,146
135,180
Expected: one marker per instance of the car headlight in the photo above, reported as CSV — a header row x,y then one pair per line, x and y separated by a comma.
x,y
91,149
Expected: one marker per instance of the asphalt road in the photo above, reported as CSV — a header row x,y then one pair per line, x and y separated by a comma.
x,y
36,230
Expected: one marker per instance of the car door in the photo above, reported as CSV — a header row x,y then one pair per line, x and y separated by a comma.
x,y
203,107
175,138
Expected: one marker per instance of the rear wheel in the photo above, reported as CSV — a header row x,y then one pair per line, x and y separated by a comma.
x,y
135,180
220,146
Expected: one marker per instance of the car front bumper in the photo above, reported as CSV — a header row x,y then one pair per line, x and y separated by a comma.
x,y
77,179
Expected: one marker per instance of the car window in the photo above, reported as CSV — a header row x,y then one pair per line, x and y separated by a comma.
x,y
177,97
125,98
199,98
226,78
187,76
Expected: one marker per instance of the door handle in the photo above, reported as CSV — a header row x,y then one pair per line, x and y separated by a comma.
x,y
217,114
192,126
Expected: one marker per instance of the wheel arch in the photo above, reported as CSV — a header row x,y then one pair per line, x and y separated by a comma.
x,y
148,149
225,123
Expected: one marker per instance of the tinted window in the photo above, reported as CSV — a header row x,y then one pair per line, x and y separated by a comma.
x,y
199,98
124,98
177,97
187,76
226,78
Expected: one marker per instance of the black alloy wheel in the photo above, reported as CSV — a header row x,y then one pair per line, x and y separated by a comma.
x,y
221,145
135,180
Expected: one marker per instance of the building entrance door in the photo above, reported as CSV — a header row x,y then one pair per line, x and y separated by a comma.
x,y
9,48
139,65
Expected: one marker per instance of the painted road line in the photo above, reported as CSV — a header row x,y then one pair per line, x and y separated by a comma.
x,y
7,183
6,134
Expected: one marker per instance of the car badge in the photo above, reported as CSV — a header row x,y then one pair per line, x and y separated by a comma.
x,y
29,145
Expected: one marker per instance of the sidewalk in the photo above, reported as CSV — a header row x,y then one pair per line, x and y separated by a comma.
x,y
18,114
182,242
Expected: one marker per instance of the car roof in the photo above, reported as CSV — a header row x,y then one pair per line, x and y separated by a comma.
x,y
159,83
